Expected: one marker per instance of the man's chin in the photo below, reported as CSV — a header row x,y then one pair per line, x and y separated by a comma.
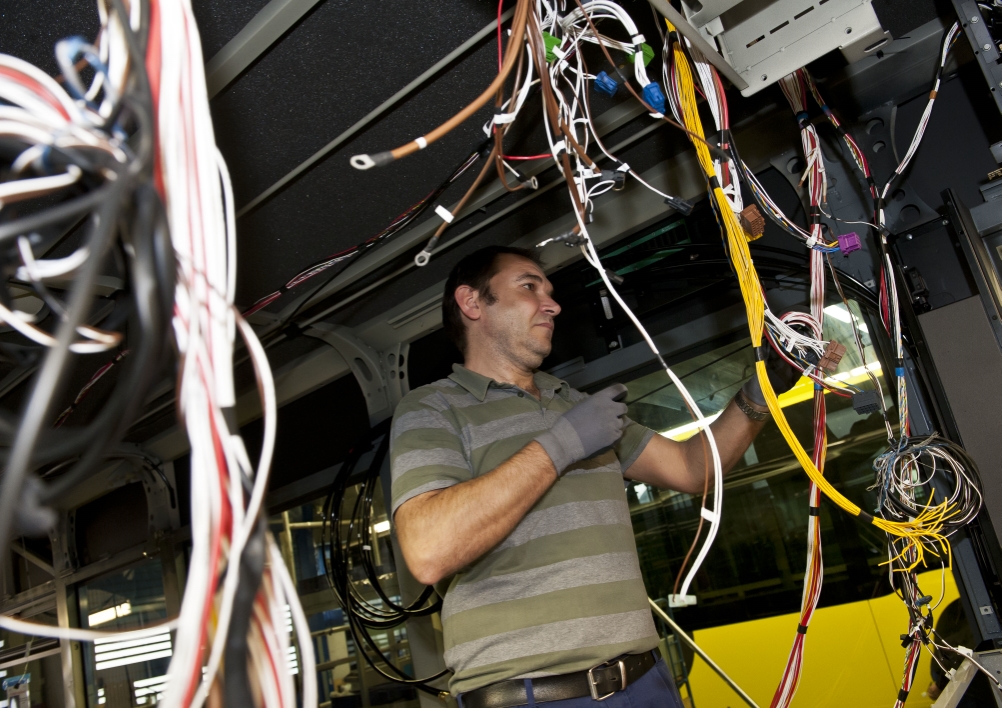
x,y
541,350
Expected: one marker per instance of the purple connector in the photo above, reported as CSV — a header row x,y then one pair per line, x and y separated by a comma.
x,y
847,243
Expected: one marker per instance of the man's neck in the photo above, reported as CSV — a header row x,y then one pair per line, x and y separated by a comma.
x,y
501,370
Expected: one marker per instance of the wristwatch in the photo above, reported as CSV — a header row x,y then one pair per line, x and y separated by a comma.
x,y
748,409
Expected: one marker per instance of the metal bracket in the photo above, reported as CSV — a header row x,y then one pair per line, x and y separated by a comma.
x,y
162,503
382,376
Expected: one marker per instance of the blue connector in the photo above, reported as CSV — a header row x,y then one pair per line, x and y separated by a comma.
x,y
606,84
654,97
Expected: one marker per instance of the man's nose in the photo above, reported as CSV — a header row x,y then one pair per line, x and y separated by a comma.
x,y
550,306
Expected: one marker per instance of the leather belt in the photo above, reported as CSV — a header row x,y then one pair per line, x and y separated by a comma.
x,y
599,683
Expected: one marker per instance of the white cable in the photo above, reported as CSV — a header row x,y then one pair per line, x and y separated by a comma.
x,y
592,256
73,634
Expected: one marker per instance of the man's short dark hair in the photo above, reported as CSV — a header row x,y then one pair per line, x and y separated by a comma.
x,y
476,271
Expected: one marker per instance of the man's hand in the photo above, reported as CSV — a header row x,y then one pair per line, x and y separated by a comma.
x,y
594,423
782,376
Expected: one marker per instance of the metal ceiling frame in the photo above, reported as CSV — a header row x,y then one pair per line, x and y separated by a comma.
x,y
267,27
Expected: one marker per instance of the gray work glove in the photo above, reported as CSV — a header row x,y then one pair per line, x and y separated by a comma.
x,y
782,376
594,423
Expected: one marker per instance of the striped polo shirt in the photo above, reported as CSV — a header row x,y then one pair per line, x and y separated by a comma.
x,y
563,592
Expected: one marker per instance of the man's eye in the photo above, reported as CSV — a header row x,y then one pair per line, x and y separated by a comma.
x,y
529,285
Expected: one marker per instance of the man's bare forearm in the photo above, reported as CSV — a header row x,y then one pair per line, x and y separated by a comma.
x,y
734,432
443,531
683,466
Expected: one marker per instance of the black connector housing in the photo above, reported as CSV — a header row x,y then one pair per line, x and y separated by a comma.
x,y
866,402
683,206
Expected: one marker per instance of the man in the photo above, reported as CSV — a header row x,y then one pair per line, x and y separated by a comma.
x,y
508,495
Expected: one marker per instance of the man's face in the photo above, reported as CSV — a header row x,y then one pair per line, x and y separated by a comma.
x,y
519,323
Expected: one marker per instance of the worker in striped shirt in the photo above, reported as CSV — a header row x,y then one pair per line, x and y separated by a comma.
x,y
508,496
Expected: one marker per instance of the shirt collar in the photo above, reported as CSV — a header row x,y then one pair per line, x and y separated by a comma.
x,y
478,384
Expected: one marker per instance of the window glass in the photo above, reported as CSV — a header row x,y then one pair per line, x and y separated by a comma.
x,y
755,568
124,673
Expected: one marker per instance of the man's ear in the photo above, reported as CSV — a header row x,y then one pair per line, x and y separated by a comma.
x,y
468,300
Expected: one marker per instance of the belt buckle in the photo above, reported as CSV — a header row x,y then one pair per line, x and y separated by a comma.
x,y
592,683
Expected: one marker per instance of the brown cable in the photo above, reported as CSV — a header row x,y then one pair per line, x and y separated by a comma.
x,y
462,202
514,46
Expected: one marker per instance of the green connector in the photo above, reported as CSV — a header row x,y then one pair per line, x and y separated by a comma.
x,y
552,42
647,50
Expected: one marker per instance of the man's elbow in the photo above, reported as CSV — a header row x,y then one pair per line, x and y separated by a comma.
x,y
426,568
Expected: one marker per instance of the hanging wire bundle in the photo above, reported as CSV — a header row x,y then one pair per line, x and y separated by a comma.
x,y
132,157
348,542
76,179
238,589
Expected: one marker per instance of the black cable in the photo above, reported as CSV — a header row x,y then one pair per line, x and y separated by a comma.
x,y
351,548
237,691
405,220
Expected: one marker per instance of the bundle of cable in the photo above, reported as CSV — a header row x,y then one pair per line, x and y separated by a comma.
x,y
238,588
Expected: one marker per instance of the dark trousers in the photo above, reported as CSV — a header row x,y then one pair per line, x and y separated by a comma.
x,y
655,689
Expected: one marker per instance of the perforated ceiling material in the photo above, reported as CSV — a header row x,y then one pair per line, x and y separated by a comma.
x,y
29,34
337,65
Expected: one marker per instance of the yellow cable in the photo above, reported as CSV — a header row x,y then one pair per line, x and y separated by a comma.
x,y
924,531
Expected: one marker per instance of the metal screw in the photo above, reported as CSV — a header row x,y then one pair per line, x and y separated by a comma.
x,y
986,47
764,77
974,20
848,30
909,237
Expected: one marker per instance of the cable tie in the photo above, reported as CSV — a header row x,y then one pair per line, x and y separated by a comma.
x,y
868,518
623,167
811,242
714,182
558,52
902,695
870,181
814,511
421,142
801,629
899,371
446,215
558,147
802,119
760,353
502,118
637,39
932,95
710,516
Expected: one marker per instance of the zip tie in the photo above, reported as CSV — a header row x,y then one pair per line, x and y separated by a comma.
x,y
502,118
558,147
446,215
709,515
637,39
422,143
558,52
623,167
